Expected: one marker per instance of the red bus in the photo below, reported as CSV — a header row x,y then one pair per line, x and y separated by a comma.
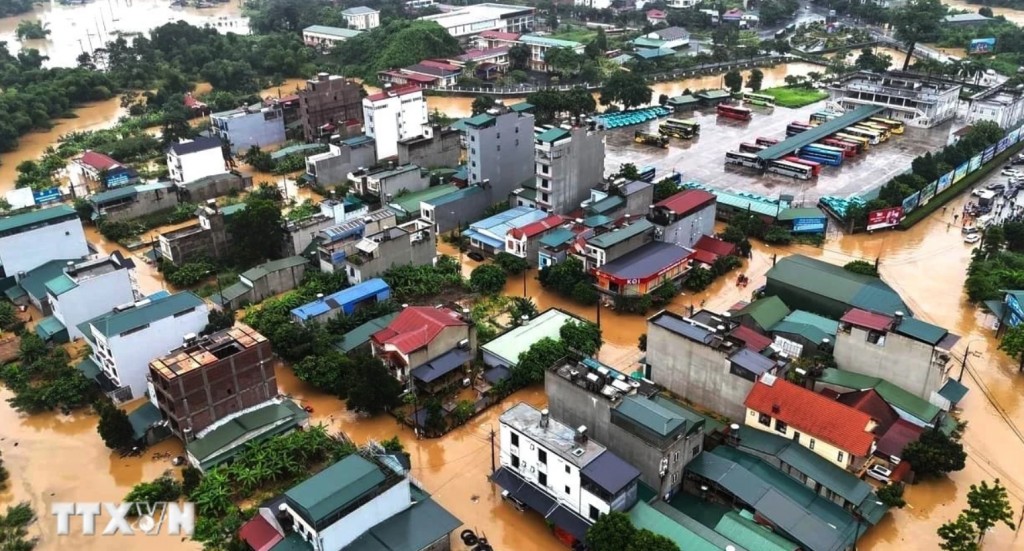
x,y
766,141
733,112
849,150
815,167
751,147
857,146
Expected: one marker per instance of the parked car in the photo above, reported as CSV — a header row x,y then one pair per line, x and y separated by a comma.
x,y
879,472
972,238
998,186
1010,172
476,256
967,230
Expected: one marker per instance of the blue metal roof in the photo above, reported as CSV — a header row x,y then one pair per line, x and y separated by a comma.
x,y
791,144
498,225
442,365
485,239
340,299
610,472
646,261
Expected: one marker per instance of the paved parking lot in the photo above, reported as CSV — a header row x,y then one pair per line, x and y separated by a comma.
x,y
703,159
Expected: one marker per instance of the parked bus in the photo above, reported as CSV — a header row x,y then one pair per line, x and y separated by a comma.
x,y
870,136
679,128
864,142
896,127
832,158
880,128
849,149
793,170
763,100
751,147
647,174
822,116
733,112
826,147
815,167
657,140
748,160
795,128
854,145
766,141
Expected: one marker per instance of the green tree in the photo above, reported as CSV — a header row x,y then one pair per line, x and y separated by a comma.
x,y
935,454
165,488
699,279
331,372
522,306
114,427
755,79
583,337
534,362
985,11
519,56
958,535
190,479
628,89
642,342
892,495
917,21
31,30
481,104
257,232
629,171
1013,343
512,264
988,506
3,474
611,532
733,81
861,267
374,389
868,60
14,528
645,540
487,279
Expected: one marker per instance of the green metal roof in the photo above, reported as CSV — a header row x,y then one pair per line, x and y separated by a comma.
x,y
35,217
644,42
228,210
479,120
657,418
548,41
892,394
88,368
409,203
766,312
227,440
596,220
511,344
361,335
644,516
267,268
521,107
411,530
794,213
14,292
142,418
814,280
710,423
714,94
752,535
953,390
606,205
743,200
230,293
335,487
683,100
115,323
557,237
292,542
35,280
921,330
113,195
810,326
552,135
611,238
50,328
60,285
823,130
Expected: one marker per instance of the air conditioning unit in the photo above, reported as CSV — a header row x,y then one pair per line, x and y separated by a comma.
x,y
464,344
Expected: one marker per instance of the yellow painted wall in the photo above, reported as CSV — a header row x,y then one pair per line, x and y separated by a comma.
x,y
822,448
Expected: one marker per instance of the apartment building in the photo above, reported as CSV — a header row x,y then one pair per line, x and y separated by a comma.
x,y
922,101
249,126
568,163
465,22
618,242
685,217
540,46
33,238
408,244
90,288
328,104
999,104
500,147
190,160
127,202
395,114
389,183
524,242
361,18
333,166
339,241
206,238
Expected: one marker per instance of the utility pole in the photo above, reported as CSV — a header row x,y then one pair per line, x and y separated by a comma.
x,y
493,468
524,282
599,310
963,363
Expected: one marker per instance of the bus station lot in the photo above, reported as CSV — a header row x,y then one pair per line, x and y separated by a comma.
x,y
703,158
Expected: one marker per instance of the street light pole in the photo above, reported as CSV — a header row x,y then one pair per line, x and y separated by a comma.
x,y
963,361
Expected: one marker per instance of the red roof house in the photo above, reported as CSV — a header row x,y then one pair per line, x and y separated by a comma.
x,y
813,415
896,439
426,343
535,228
715,246
686,201
872,403
500,35
259,534
97,161
656,16
394,92
751,338
868,320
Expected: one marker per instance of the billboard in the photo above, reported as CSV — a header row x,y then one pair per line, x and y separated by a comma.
x,y
975,163
945,181
961,171
982,46
884,218
46,195
910,203
809,225
1014,136
1002,145
929,191
990,152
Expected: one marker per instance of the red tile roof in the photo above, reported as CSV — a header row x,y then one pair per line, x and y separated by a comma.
x,y
863,318
813,414
897,437
873,404
751,338
259,534
537,227
656,14
98,161
399,91
439,64
715,246
499,35
706,257
416,327
686,201
192,103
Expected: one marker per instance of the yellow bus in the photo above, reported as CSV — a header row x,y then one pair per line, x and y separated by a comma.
x,y
864,142
881,128
872,136
896,127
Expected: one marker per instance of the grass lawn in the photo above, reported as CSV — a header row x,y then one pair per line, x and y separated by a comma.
x,y
577,33
795,97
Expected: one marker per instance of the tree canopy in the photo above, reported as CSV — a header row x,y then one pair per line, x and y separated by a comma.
x,y
398,43
917,21
487,279
626,88
935,454
114,427
257,232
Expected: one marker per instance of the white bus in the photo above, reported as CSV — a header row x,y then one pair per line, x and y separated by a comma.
x,y
749,160
793,170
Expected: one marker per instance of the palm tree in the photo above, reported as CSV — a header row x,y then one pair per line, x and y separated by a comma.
x,y
213,497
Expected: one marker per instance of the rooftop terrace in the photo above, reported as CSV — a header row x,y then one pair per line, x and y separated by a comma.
x,y
207,350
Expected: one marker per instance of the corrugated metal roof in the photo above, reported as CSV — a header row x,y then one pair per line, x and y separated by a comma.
x,y
35,280
793,143
752,361
341,298
810,326
645,517
870,320
511,344
894,395
557,237
552,135
113,195
442,365
267,268
610,472
361,335
671,322
60,285
766,312
35,217
415,528
115,323
613,237
332,31
836,283
921,330
335,487
651,416
752,535
225,441
794,213
548,41
648,260
142,418
410,203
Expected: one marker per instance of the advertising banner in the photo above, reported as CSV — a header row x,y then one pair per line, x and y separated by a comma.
x,y
809,225
929,191
1002,145
961,171
884,218
1014,136
945,181
975,163
46,195
910,203
981,46
989,153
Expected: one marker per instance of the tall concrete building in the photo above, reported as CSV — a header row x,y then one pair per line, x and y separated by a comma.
x,y
393,115
329,102
568,163
921,101
500,146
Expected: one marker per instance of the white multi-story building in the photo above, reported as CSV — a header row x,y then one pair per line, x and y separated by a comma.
x,y
361,17
247,126
681,3
540,45
595,4
468,21
190,160
395,114
920,101
34,238
91,288
1000,105
560,472
127,338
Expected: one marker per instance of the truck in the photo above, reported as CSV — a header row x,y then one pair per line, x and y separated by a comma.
x,y
651,139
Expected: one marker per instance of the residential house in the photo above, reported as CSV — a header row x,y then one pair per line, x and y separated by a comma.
x,y
654,434
85,290
829,290
300,234
442,148
709,249
430,72
387,183
918,100
329,104
408,244
343,302
190,160
496,39
669,38
124,340
361,502
262,282
560,472
395,114
803,334
488,235
643,270
339,241
207,238
762,314
504,350
325,38
656,17
93,169
555,246
248,126
500,148
212,187
361,18
568,163
706,359
524,241
833,430
1000,104
911,353
909,407
620,241
223,441
409,206
465,22
30,288
966,20
22,235
685,217
357,341
449,210
540,45
687,532
427,348
128,202
489,63
349,155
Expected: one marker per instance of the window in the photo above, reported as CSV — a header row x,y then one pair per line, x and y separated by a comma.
x,y
515,462
796,436
811,445
841,457
567,471
781,427
876,337
764,420
515,439
499,135
695,451
567,491
499,148
594,513
185,312
542,456
542,479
